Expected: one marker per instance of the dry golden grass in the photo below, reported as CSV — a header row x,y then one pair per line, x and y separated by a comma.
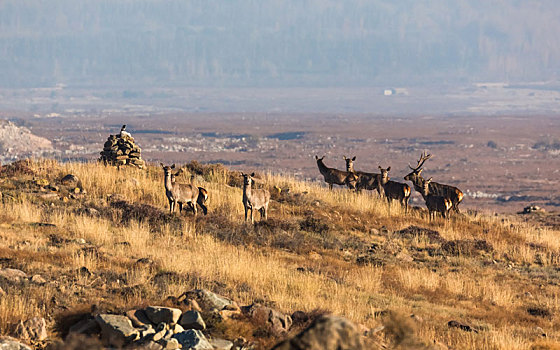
x,y
305,258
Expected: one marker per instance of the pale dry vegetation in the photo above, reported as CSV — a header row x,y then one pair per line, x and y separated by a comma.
x,y
115,246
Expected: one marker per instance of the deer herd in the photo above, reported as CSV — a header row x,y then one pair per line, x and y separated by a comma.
x,y
439,198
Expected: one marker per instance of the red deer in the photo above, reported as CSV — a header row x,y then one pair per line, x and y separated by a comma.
x,y
335,176
254,198
202,193
366,181
394,190
452,193
435,203
178,192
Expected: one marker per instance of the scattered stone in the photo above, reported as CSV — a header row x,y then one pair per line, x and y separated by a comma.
x,y
265,316
87,326
177,328
38,279
207,300
13,275
404,257
150,345
221,344
70,179
116,330
12,344
192,320
462,326
158,314
538,311
33,329
146,330
170,344
42,182
326,333
193,339
417,318
84,271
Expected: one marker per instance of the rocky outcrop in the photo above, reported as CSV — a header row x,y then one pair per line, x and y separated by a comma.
x,y
18,141
267,317
160,314
326,333
116,330
12,344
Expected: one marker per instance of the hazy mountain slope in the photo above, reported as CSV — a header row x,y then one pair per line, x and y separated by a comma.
x,y
127,42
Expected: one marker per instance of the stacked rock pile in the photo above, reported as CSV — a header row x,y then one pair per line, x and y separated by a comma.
x,y
121,150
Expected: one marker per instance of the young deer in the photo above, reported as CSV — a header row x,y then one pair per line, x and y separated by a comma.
x,y
435,203
254,198
366,181
335,176
454,194
394,190
179,193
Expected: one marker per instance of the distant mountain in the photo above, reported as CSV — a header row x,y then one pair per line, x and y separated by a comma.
x,y
277,42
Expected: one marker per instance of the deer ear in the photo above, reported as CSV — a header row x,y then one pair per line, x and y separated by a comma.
x,y
252,174
354,158
389,169
172,166
379,166
162,165
429,180
316,157
344,157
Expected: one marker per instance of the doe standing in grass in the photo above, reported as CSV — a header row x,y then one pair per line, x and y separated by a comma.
x,y
254,198
179,193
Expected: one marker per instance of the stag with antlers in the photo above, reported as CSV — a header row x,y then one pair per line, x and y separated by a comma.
x,y
452,193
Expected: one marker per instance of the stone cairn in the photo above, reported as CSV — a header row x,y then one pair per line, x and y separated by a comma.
x,y
121,150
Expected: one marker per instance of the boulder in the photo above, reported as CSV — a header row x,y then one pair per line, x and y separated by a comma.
x,y
69,179
221,344
138,318
170,344
207,300
265,316
192,320
33,329
38,279
326,333
13,275
158,314
193,339
12,344
116,330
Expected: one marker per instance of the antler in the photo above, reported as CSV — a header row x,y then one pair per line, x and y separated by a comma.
x,y
423,157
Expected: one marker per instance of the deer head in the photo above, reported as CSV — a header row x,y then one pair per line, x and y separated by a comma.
x,y
426,187
248,179
349,163
415,174
384,174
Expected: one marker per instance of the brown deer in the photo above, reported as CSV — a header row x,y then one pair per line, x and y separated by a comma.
x,y
179,192
394,190
435,203
452,193
335,176
366,181
254,198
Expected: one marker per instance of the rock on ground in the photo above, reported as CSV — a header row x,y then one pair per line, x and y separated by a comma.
x,y
12,344
158,314
326,333
34,329
265,316
193,339
13,275
208,300
192,320
116,330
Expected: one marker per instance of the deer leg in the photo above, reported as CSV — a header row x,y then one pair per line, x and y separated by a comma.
x,y
252,218
193,205
330,186
204,208
180,207
246,209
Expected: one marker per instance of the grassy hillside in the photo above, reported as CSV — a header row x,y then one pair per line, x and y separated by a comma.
x,y
320,251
